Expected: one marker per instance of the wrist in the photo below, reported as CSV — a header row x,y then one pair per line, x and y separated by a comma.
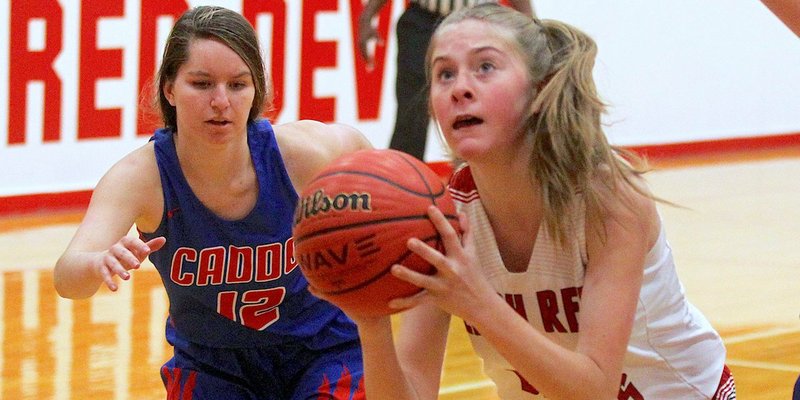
x,y
487,314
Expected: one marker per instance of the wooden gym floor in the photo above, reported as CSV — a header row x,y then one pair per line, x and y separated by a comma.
x,y
735,244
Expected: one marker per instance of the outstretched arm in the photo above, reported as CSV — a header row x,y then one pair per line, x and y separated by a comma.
x,y
101,249
787,11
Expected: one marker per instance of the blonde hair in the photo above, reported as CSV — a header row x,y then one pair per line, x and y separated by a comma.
x,y
570,150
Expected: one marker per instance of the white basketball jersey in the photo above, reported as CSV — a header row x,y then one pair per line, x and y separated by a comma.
x,y
673,352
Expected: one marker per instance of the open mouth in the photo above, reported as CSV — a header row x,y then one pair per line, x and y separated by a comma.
x,y
218,123
466,121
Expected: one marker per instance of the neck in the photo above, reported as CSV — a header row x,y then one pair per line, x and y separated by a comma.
x,y
213,162
508,190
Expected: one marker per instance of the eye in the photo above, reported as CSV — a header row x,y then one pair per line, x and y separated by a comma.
x,y
201,84
485,67
444,74
238,85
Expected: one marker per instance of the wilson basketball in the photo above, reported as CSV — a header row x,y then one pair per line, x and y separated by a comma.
x,y
354,219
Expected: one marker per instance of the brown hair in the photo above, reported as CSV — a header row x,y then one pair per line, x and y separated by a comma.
x,y
570,151
225,26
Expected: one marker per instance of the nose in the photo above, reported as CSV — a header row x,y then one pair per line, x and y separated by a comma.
x,y
462,88
219,98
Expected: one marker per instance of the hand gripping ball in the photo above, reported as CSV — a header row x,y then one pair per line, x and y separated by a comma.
x,y
354,219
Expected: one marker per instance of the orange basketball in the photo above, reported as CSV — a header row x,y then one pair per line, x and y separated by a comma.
x,y
354,219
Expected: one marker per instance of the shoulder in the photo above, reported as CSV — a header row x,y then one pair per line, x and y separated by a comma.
x,y
134,181
308,146
625,216
306,133
140,163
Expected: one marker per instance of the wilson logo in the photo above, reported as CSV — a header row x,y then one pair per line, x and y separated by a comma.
x,y
336,255
321,203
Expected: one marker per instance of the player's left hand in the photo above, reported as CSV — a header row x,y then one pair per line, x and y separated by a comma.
x,y
458,286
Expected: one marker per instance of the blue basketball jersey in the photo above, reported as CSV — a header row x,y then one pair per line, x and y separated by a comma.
x,y
237,283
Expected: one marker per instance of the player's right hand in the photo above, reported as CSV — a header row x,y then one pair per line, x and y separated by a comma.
x,y
124,255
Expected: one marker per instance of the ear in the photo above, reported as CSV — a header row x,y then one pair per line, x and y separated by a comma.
x,y
168,93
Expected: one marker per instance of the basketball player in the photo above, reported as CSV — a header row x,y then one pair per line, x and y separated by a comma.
x,y
414,29
212,196
563,275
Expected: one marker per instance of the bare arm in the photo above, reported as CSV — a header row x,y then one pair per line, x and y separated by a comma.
x,y
411,368
308,146
101,248
787,11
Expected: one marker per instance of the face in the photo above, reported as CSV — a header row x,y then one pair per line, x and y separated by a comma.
x,y
212,92
480,90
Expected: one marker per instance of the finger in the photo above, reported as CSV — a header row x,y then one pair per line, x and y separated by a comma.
x,y
428,253
450,236
123,257
156,244
108,280
111,285
424,281
441,222
135,247
112,264
404,303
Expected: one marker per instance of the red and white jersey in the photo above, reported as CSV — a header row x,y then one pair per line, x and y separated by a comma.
x,y
673,353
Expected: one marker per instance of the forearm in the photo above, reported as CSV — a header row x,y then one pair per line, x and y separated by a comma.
x,y
383,376
73,277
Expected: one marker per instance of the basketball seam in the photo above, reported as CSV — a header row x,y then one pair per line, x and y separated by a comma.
x,y
299,239
430,194
383,272
432,197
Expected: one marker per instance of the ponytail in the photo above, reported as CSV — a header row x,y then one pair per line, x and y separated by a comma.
x,y
570,148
